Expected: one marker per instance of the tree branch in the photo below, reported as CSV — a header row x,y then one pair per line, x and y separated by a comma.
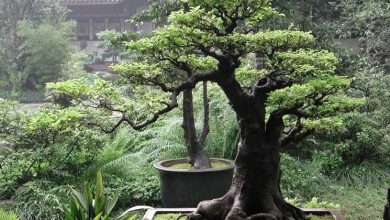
x,y
295,136
268,84
138,126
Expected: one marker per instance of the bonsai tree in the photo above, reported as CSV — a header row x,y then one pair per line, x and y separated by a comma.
x,y
158,13
295,92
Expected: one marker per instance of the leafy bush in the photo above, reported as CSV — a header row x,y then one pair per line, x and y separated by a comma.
x,y
328,161
302,179
363,138
142,190
42,152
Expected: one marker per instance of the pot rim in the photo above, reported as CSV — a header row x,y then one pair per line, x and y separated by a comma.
x,y
159,166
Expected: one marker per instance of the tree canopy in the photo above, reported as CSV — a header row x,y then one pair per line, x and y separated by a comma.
x,y
297,80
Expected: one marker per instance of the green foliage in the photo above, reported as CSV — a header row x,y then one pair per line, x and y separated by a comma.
x,y
359,201
315,203
93,205
302,179
368,21
328,161
357,191
34,43
45,48
43,144
23,96
39,199
86,207
360,139
364,174
144,189
7,215
74,67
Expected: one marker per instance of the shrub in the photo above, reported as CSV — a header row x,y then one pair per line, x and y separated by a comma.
x,y
302,179
40,200
144,189
363,138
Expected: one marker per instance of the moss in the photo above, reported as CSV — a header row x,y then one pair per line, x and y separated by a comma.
x,y
187,166
322,217
169,216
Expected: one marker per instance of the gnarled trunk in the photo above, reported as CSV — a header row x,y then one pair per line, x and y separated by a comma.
x,y
255,192
197,157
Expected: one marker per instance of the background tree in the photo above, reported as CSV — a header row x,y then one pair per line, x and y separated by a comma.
x,y
44,50
296,92
23,42
11,13
363,138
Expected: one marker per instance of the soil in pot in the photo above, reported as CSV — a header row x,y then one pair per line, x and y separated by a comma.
x,y
179,216
187,166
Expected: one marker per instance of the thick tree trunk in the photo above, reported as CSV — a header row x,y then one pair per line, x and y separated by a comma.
x,y
196,154
255,192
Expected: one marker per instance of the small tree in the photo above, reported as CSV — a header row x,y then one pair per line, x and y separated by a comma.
x,y
294,93
158,13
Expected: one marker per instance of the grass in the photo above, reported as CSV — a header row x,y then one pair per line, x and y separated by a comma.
x,y
187,166
359,202
7,215
359,191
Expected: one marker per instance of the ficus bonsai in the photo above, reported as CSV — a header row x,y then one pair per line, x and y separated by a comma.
x,y
297,91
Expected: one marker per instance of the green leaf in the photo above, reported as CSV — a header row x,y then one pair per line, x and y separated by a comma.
x,y
88,193
111,204
81,199
128,216
98,217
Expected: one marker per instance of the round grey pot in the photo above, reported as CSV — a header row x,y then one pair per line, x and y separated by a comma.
x,y
186,188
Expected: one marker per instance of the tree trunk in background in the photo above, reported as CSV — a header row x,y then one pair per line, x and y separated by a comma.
x,y
196,154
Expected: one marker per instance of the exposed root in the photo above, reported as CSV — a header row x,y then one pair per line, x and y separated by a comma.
x,y
223,209
214,209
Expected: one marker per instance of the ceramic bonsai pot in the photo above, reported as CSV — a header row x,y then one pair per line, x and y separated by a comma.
x,y
151,213
188,187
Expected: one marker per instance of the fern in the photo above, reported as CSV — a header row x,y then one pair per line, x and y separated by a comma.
x,y
131,152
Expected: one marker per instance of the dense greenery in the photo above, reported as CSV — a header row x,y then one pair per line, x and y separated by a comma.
x,y
34,43
46,152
